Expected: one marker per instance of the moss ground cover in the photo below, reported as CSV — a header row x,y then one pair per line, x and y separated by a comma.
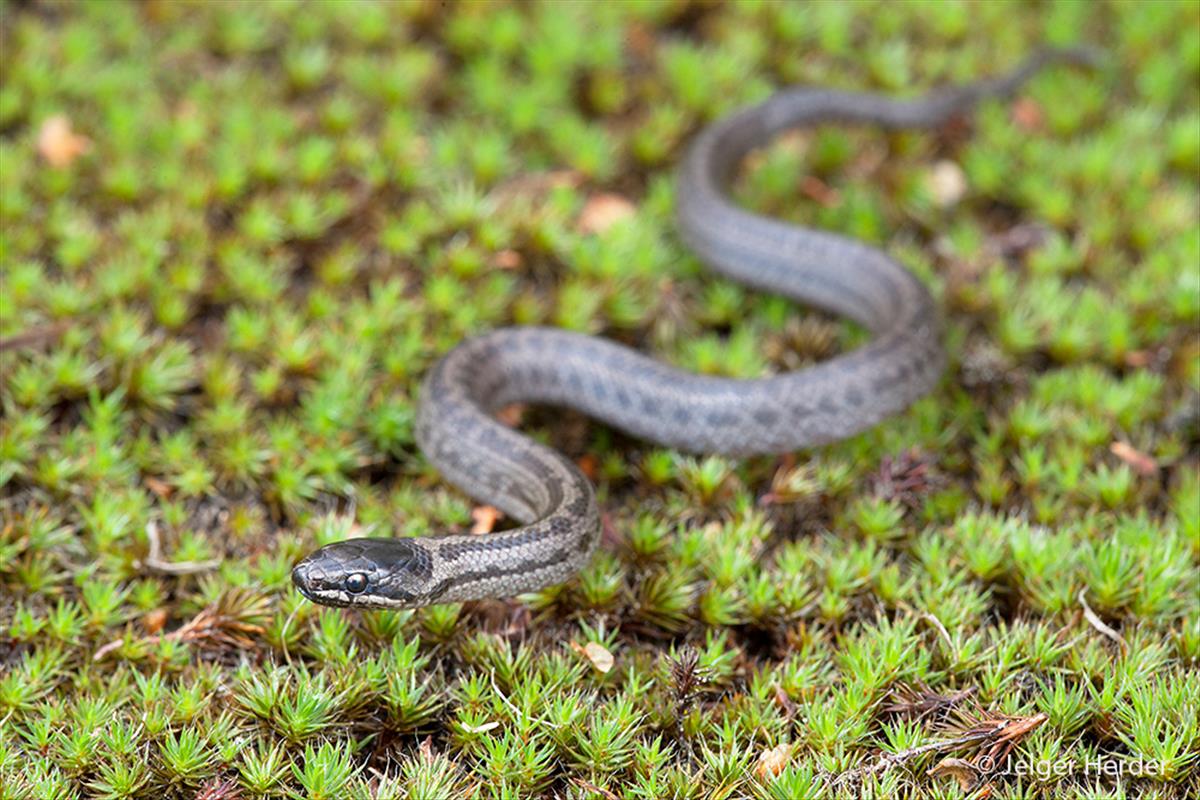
x,y
234,235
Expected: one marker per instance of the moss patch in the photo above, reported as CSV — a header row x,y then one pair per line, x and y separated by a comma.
x,y
234,236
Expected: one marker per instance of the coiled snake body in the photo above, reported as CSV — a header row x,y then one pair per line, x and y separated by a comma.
x,y
544,490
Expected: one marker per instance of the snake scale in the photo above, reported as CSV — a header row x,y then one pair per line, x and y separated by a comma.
x,y
544,490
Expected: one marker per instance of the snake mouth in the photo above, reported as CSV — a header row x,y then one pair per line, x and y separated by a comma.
x,y
307,581
326,599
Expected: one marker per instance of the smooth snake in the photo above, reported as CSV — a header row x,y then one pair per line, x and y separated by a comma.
x,y
546,492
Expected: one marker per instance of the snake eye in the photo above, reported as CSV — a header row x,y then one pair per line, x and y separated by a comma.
x,y
356,583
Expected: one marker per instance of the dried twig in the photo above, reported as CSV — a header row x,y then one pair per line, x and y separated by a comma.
x,y
937,623
919,703
1097,623
232,621
155,561
890,760
591,787
33,336
1015,729
1002,734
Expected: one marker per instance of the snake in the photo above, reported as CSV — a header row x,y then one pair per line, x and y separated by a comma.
x,y
543,490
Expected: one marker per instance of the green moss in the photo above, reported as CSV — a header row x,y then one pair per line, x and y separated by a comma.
x,y
283,214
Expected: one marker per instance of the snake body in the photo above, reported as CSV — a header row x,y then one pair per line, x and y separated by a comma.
x,y
544,490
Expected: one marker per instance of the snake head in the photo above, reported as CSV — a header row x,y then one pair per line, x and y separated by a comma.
x,y
365,573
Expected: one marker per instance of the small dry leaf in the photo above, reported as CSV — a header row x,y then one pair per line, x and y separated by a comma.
x,y
640,40
484,519
58,144
1142,463
507,259
603,211
1027,114
484,728
819,191
511,415
1138,359
962,771
588,466
947,183
154,621
784,702
771,762
596,653
163,490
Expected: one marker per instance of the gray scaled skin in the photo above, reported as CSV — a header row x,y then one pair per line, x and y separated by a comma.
x,y
542,489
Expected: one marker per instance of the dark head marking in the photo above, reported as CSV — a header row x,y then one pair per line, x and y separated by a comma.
x,y
366,573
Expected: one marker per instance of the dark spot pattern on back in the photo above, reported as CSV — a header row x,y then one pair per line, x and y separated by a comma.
x,y
766,417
